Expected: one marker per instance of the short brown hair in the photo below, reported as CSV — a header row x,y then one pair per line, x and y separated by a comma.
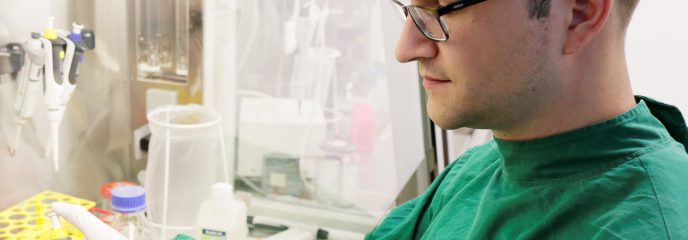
x,y
540,9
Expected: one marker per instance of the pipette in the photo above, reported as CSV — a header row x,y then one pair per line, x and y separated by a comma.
x,y
65,89
53,84
54,60
83,40
67,51
29,86
76,42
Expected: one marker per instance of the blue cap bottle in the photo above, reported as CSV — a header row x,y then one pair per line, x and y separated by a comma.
x,y
128,199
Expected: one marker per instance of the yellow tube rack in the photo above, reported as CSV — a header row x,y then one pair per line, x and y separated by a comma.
x,y
27,220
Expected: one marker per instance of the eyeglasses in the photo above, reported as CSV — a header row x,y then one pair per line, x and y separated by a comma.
x,y
429,20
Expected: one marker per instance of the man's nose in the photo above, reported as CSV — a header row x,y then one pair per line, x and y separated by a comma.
x,y
412,44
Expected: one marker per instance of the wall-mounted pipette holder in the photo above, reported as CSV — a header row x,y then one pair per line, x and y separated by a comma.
x,y
11,58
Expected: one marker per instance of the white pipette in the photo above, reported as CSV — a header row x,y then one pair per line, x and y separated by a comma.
x,y
29,86
61,73
54,83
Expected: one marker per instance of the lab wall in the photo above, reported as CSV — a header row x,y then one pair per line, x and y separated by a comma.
x,y
657,51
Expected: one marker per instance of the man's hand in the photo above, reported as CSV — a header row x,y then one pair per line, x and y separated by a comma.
x,y
90,226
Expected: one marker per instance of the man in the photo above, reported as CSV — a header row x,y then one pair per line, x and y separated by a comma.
x,y
575,155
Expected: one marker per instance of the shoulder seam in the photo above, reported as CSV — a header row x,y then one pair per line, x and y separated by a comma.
x,y
592,172
654,191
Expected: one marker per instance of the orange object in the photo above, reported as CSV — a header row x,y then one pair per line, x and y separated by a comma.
x,y
106,190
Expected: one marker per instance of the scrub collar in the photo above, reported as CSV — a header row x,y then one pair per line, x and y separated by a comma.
x,y
589,150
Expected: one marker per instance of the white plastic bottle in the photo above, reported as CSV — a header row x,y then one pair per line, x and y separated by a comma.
x,y
222,217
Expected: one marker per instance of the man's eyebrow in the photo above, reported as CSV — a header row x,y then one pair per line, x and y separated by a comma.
x,y
426,3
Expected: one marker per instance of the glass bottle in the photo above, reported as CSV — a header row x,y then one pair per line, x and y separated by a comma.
x,y
129,204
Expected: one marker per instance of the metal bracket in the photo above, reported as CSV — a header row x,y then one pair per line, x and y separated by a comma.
x,y
11,59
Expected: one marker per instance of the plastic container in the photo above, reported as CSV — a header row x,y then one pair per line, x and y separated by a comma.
x,y
129,204
222,217
185,156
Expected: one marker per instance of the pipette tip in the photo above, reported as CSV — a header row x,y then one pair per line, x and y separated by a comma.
x,y
56,163
13,149
55,126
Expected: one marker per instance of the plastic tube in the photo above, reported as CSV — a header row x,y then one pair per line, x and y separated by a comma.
x,y
182,37
253,34
57,233
55,129
289,33
224,154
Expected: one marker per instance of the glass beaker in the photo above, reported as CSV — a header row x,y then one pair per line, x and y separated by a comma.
x,y
185,156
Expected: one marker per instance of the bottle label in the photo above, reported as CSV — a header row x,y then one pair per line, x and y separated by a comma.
x,y
209,234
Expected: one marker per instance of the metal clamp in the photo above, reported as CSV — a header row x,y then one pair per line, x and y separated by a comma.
x,y
11,59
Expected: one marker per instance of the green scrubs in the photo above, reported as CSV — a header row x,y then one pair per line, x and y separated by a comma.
x,y
625,178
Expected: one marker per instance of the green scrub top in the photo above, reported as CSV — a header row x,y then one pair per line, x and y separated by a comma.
x,y
625,178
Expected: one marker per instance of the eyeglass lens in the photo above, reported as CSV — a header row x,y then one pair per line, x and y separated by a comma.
x,y
427,22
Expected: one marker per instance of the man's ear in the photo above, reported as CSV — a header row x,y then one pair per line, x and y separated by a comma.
x,y
586,18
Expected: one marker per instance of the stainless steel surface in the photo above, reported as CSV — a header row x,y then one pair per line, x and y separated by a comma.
x,y
95,131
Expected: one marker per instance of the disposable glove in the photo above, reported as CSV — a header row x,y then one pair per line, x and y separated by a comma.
x,y
90,225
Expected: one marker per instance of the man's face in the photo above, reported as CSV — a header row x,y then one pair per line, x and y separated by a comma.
x,y
492,72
